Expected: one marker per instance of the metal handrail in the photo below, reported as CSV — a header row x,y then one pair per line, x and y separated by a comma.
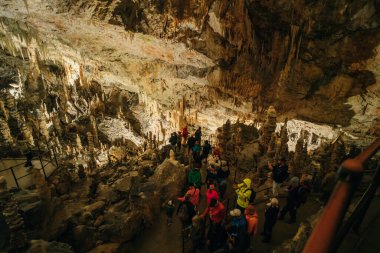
x,y
322,238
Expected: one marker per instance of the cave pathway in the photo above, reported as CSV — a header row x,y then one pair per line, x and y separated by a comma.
x,y
167,239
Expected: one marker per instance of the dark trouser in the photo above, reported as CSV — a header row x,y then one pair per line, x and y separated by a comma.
x,y
222,189
268,227
292,209
28,163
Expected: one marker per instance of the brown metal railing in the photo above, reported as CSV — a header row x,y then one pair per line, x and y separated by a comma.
x,y
349,175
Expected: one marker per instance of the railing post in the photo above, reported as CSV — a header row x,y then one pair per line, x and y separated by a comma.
x,y
15,178
325,231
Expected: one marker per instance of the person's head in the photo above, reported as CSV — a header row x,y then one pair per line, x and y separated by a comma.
x,y
211,187
247,182
197,143
191,185
274,202
224,165
170,202
294,181
251,209
187,197
213,202
282,160
206,142
199,128
235,213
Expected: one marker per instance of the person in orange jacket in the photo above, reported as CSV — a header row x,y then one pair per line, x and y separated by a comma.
x,y
252,222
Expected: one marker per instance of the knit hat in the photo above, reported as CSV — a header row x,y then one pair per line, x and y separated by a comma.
x,y
235,213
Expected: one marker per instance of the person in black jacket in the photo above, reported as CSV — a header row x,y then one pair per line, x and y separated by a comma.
x,y
190,144
279,175
173,140
292,201
186,212
206,150
198,134
223,173
271,213
29,158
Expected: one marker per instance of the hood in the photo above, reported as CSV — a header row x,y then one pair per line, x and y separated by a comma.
x,y
248,182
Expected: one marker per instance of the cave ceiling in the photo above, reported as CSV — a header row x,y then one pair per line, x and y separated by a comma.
x,y
312,60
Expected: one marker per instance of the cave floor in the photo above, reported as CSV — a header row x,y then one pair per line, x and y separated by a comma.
x,y
163,238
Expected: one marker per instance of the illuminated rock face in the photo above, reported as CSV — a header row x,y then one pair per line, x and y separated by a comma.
x,y
204,61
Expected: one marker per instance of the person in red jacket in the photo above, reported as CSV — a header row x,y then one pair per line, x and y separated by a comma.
x,y
193,194
215,211
211,193
185,133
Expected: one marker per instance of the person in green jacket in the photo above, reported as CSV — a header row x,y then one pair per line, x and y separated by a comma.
x,y
195,178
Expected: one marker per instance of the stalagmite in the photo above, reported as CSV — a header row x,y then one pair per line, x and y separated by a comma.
x,y
282,150
42,125
5,131
268,128
90,140
18,238
3,111
79,144
27,134
94,130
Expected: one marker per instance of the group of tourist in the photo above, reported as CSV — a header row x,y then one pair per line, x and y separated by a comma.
x,y
227,231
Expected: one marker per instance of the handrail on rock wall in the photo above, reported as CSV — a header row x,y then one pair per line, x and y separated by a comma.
x,y
322,238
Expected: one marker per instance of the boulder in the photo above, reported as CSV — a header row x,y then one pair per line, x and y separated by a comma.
x,y
124,184
96,208
99,221
121,227
38,246
106,248
169,179
83,238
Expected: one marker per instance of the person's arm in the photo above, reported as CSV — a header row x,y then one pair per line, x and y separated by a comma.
x,y
206,211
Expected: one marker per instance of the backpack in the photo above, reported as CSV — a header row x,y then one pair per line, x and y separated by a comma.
x,y
183,213
280,174
302,194
252,197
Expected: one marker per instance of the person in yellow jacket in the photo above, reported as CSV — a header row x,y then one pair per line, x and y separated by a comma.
x,y
244,192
